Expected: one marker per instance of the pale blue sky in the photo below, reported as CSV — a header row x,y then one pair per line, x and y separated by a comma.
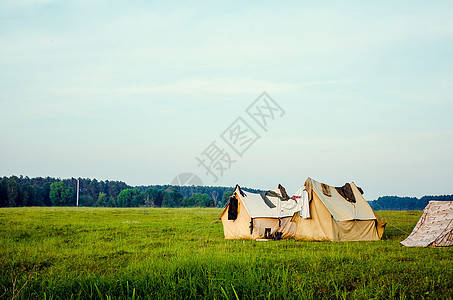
x,y
135,91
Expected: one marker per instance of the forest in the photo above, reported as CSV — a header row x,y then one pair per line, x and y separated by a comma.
x,y
48,191
406,203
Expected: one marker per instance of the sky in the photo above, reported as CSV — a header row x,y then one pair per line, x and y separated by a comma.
x,y
142,91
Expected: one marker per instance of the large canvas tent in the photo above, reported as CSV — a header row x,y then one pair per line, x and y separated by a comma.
x,y
434,228
256,216
336,214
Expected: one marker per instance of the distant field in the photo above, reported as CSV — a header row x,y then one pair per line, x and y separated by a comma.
x,y
158,253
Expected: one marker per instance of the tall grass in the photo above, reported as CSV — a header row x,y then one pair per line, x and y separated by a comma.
x,y
105,253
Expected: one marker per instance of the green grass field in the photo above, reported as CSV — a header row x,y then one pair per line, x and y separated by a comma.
x,y
157,253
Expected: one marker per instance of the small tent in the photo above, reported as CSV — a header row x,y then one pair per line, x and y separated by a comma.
x,y
435,227
256,216
336,214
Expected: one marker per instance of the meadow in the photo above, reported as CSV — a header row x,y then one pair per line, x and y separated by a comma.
x,y
180,253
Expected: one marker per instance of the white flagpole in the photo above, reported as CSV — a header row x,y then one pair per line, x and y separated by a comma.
x,y
279,205
77,204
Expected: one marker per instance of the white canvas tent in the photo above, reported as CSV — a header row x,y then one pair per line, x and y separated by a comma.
x,y
255,216
336,214
435,227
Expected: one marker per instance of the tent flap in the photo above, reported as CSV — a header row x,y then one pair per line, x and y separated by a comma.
x,y
342,209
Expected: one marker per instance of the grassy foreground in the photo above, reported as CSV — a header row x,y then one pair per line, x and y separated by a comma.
x,y
158,253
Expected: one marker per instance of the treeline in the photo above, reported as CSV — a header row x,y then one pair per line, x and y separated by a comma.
x,y
48,191
24,191
406,203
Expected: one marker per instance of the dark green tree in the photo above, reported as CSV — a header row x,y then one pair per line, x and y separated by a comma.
x,y
197,199
27,194
172,198
153,197
93,188
138,200
204,200
13,191
40,196
86,200
189,201
111,202
126,197
225,198
60,194
102,200
3,192
46,193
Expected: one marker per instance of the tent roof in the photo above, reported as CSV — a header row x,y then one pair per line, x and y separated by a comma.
x,y
339,207
435,226
272,207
